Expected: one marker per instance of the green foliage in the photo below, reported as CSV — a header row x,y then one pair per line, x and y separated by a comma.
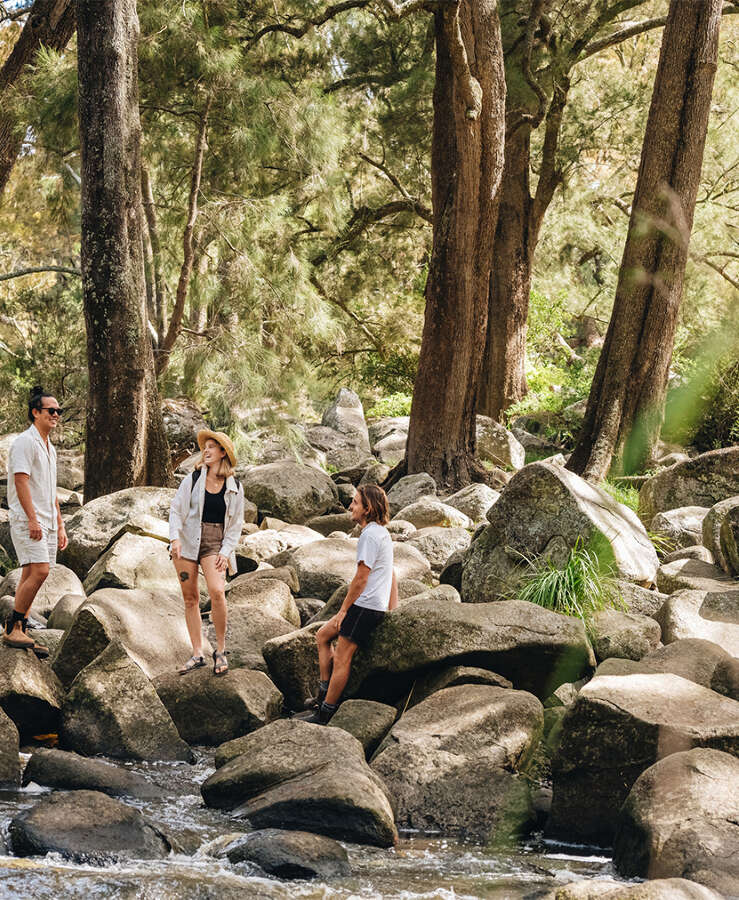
x,y
394,405
581,587
393,373
704,409
623,493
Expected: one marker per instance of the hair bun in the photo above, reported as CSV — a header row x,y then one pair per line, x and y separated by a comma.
x,y
36,391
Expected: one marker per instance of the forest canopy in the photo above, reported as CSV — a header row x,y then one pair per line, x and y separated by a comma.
x,y
286,185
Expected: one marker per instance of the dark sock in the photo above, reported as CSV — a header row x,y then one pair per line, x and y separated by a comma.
x,y
323,686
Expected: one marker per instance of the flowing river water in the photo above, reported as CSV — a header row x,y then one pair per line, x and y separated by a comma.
x,y
419,867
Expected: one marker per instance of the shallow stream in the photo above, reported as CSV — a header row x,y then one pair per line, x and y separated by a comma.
x,y
419,867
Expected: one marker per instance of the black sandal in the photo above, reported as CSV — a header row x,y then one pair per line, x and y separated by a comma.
x,y
195,662
219,663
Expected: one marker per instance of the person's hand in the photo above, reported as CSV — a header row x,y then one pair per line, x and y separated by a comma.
x,y
34,530
338,619
221,563
175,549
62,539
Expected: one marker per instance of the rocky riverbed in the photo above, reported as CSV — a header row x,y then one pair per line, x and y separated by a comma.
x,y
487,747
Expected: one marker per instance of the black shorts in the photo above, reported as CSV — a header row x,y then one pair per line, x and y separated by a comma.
x,y
359,623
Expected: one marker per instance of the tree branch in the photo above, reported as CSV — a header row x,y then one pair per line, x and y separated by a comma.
x,y
374,340
362,218
300,30
150,215
423,211
19,273
636,28
549,175
175,322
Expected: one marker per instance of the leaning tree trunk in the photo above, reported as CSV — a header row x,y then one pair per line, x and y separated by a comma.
x,y
125,445
50,24
466,169
626,404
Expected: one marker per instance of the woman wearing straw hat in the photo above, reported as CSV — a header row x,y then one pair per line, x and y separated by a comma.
x,y
205,522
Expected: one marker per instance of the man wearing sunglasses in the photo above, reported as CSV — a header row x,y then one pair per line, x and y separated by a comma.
x,y
36,525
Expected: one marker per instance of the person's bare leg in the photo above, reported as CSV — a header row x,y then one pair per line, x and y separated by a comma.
x,y
343,655
216,582
324,638
32,577
187,573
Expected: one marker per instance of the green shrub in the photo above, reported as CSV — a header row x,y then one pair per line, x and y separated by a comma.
x,y
394,405
583,586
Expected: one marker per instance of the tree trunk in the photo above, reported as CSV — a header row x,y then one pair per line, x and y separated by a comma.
x,y
503,377
50,24
126,444
466,170
626,404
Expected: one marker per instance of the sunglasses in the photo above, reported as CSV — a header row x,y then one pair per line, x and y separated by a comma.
x,y
52,410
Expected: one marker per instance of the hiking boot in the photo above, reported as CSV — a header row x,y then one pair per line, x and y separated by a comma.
x,y
323,714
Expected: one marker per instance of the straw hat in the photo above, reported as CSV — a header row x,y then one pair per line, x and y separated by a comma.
x,y
223,439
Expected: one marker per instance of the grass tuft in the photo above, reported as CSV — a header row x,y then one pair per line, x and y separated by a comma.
x,y
582,587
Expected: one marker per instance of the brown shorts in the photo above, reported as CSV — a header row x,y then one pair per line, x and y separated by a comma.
x,y
211,538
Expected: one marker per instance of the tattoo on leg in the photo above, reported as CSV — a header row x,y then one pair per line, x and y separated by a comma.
x,y
184,576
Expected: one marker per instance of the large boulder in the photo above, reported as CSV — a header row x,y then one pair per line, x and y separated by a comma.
x,y
681,819
621,634
721,534
30,693
409,489
696,575
91,530
346,416
249,628
618,727
10,764
133,562
606,889
294,775
341,451
292,662
182,421
474,501
497,445
290,854
326,525
544,511
702,481
269,595
290,491
680,527
437,679
535,648
325,565
112,709
366,720
388,438
697,614
59,582
700,661
208,710
430,512
150,626
70,772
451,762
437,544
86,827
640,600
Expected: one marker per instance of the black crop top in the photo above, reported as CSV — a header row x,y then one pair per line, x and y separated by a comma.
x,y
214,508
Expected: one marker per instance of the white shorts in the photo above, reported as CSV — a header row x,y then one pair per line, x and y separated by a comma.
x,y
29,551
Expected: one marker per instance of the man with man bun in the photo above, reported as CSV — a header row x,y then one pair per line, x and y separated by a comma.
x,y
36,525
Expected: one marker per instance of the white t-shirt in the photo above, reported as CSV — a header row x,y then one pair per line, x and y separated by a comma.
x,y
30,455
375,550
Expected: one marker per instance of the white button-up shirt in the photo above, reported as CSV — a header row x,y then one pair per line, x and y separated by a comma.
x,y
32,456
